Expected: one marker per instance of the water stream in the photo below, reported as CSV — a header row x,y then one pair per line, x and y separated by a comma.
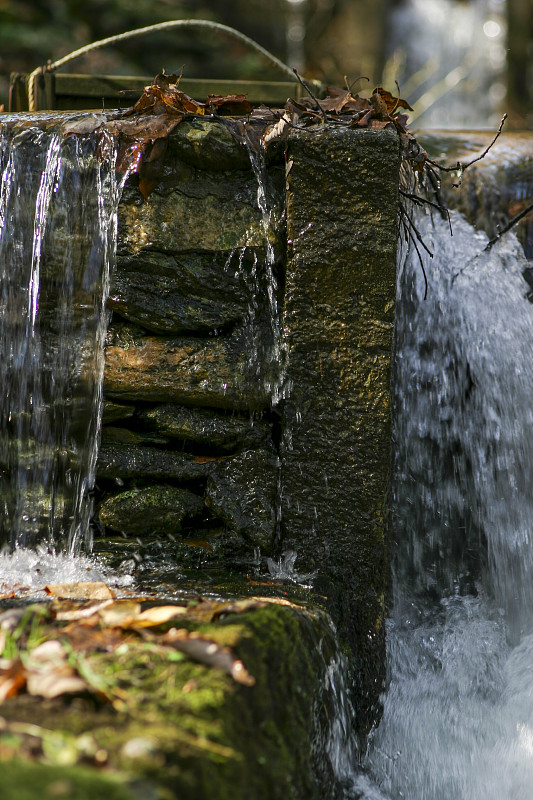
x,y
458,714
58,200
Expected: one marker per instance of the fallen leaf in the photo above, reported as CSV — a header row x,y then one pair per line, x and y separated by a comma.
x,y
12,678
277,131
48,673
51,683
152,617
236,104
91,590
65,610
208,652
84,126
391,102
115,614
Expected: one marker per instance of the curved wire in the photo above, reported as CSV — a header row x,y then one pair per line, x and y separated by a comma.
x,y
173,23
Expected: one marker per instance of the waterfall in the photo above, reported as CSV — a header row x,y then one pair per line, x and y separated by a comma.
x,y
58,201
458,714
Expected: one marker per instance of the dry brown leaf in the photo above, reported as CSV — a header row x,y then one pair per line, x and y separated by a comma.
x,y
236,104
12,678
208,652
83,638
48,673
54,682
120,610
279,601
391,102
152,617
70,610
90,590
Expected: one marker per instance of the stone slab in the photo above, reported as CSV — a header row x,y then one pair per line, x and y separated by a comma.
x,y
342,192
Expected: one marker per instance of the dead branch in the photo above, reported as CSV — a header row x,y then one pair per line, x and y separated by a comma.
x,y
509,225
461,168
311,95
408,231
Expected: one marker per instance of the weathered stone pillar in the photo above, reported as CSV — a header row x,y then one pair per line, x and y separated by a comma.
x,y
342,193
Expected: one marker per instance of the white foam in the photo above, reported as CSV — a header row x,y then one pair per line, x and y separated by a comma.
x,y
28,571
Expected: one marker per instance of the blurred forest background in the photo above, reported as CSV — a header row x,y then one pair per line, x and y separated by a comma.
x,y
461,63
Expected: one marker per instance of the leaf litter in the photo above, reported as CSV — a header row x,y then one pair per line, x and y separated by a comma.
x,y
45,648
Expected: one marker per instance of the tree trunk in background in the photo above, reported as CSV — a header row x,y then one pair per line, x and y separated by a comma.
x,y
520,63
345,37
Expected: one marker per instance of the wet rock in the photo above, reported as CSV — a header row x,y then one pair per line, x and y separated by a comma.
x,y
206,428
130,461
123,436
113,412
150,511
208,145
242,492
215,371
201,735
209,215
191,292
336,421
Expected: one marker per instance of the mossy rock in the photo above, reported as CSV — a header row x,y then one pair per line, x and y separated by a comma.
x,y
149,511
177,728
208,145
26,781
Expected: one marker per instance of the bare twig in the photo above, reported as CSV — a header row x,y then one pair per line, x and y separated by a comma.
x,y
349,86
416,231
311,95
409,237
509,225
462,167
423,201
435,185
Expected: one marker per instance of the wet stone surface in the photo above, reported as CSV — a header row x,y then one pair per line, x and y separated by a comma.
x,y
242,492
204,427
214,371
193,348
193,292
336,421
153,510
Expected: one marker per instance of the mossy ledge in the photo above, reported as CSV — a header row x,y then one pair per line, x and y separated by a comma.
x,y
179,729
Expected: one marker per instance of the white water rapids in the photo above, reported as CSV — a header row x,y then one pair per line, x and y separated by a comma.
x,y
458,713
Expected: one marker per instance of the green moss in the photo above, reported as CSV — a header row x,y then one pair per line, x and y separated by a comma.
x,y
188,729
26,781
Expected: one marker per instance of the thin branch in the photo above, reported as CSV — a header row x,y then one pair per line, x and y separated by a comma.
x,y
435,185
397,99
502,123
462,167
349,86
311,95
416,231
423,201
409,237
509,225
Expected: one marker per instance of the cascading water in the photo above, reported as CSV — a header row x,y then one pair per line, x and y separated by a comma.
x,y
58,200
458,715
